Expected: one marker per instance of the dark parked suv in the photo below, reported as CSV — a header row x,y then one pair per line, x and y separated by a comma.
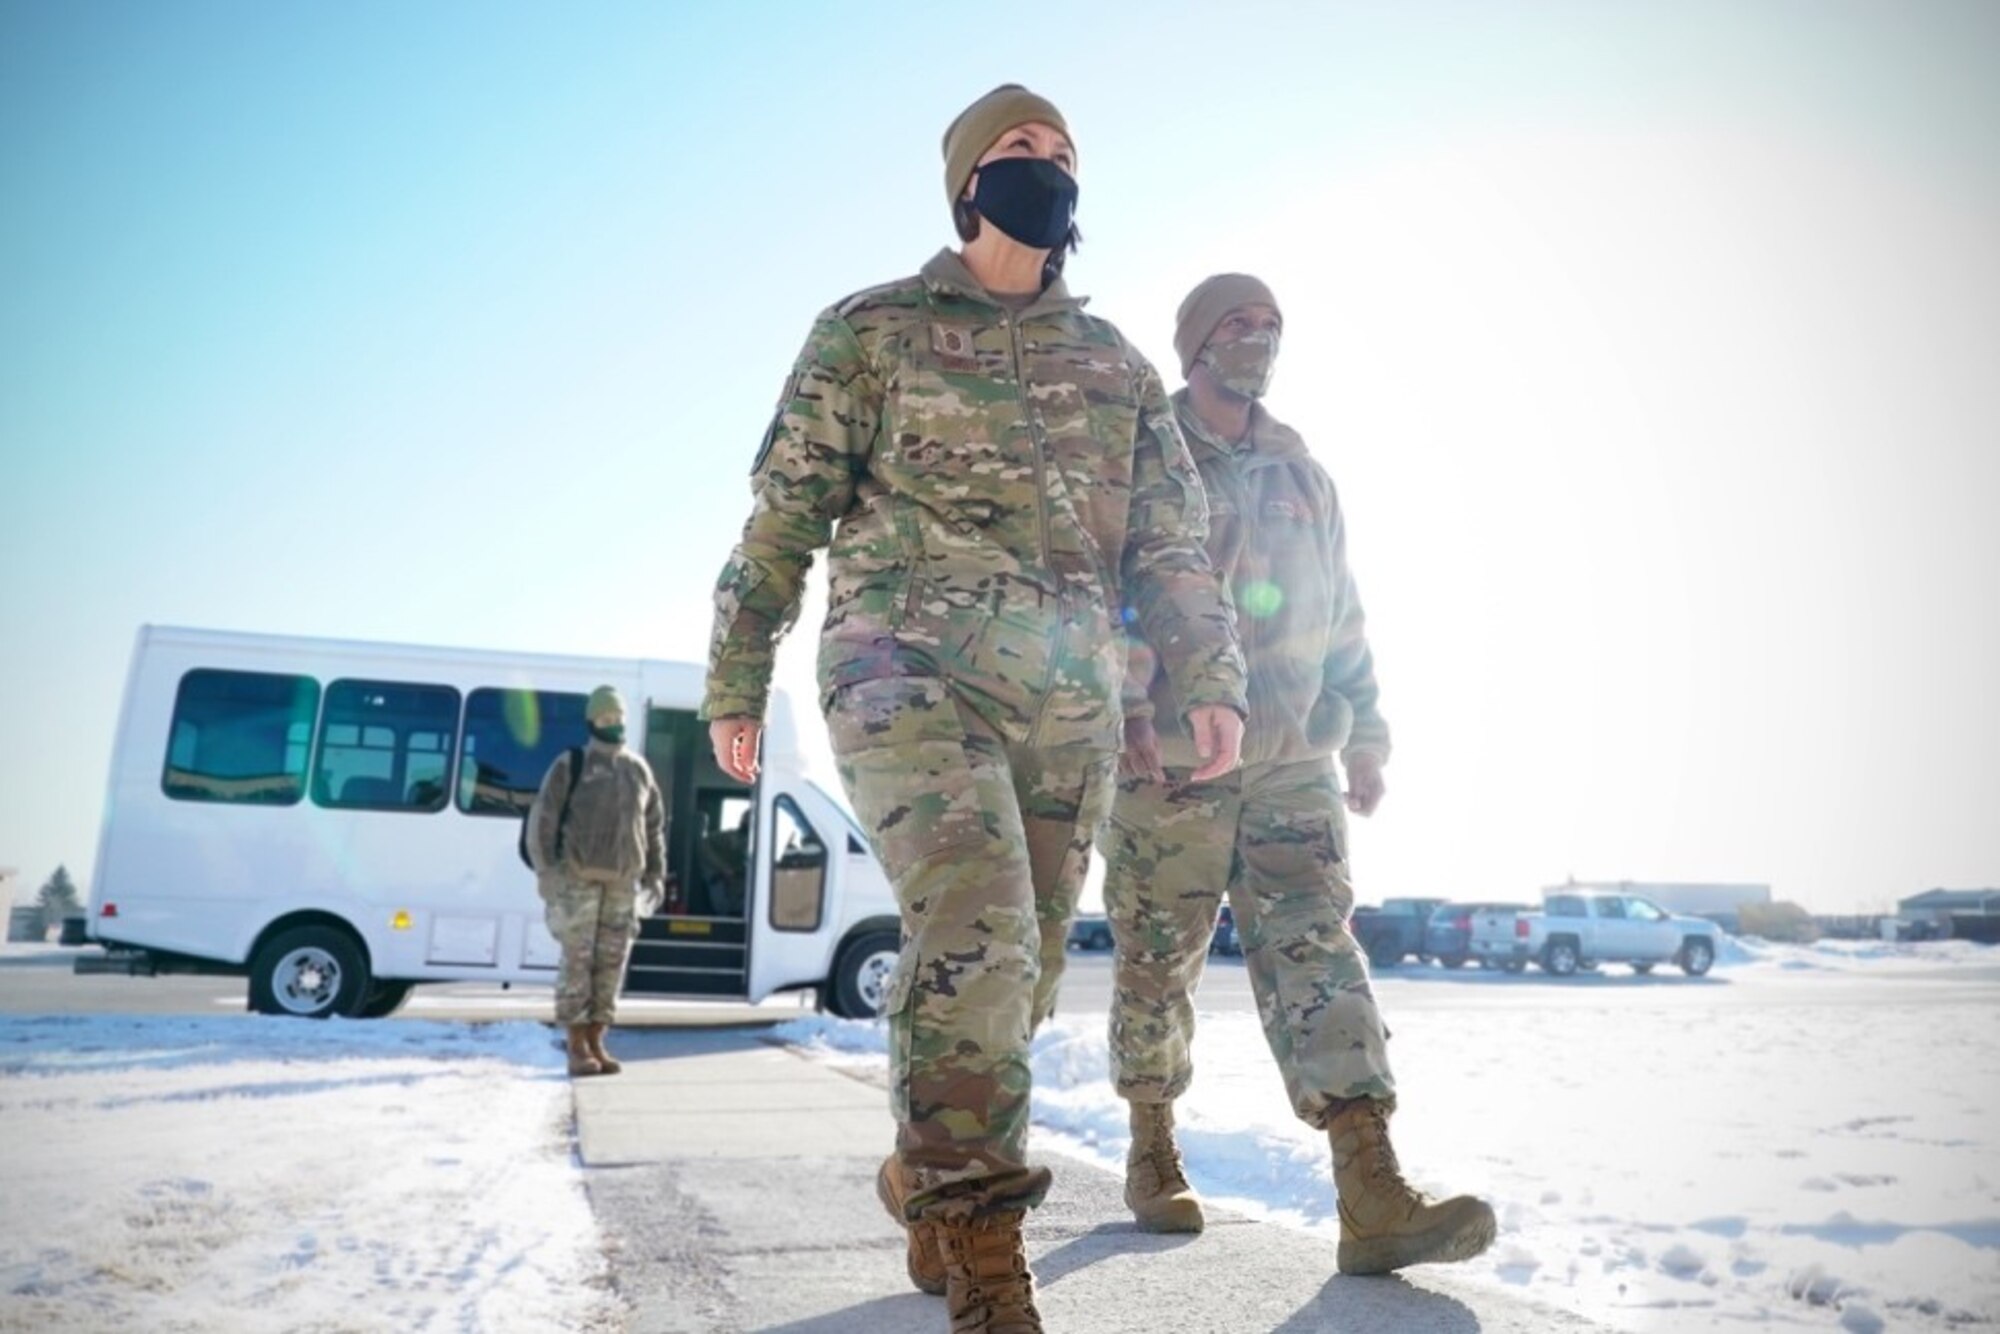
x,y
1090,931
1448,934
1393,931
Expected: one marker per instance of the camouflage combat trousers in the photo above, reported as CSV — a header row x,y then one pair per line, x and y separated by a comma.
x,y
1274,836
986,844
595,925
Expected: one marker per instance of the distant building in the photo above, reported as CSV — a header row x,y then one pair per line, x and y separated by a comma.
x,y
1718,903
23,922
1971,914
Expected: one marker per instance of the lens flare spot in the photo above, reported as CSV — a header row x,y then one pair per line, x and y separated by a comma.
x,y
1261,598
522,711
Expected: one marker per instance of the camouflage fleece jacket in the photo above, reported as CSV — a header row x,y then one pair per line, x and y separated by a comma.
x,y
996,487
617,823
1277,536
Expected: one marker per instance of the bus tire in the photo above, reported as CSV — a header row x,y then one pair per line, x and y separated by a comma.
x,y
861,973
384,999
310,972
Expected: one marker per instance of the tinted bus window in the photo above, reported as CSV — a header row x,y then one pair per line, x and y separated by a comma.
x,y
511,739
385,746
240,737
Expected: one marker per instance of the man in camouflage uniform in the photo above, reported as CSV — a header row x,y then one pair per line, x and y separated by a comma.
x,y
1272,834
998,474
600,864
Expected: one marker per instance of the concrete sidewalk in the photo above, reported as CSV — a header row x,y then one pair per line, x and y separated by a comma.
x,y
734,1181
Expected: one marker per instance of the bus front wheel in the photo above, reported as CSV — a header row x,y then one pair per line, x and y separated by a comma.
x,y
860,984
309,972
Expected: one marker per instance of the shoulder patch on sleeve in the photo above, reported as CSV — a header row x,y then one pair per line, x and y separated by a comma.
x,y
785,397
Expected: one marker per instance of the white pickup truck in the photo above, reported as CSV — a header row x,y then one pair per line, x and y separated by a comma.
x,y
1581,930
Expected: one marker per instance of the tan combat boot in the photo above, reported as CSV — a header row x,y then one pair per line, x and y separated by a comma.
x,y
1384,1224
924,1259
1156,1190
582,1061
595,1037
989,1289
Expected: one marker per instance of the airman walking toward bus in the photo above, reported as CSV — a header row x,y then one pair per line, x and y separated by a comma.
x,y
998,474
1271,835
597,843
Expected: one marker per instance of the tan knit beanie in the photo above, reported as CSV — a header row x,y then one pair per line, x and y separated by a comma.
x,y
1206,306
603,700
968,138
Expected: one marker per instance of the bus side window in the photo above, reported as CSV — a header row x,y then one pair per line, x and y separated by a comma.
x,y
511,739
385,746
240,737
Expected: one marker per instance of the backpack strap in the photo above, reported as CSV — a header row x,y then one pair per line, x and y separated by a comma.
x,y
575,773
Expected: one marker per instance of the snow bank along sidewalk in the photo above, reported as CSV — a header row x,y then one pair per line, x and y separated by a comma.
x,y
270,1174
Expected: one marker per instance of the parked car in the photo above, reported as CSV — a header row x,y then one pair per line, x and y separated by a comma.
x,y
1393,931
1090,931
1582,930
1448,934
1225,940
1490,937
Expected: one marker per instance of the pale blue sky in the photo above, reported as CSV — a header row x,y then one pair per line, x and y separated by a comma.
x,y
1653,346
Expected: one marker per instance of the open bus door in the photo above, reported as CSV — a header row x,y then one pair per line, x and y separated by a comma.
x,y
702,947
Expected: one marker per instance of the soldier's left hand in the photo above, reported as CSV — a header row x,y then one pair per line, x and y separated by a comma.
x,y
1365,787
1218,739
1141,756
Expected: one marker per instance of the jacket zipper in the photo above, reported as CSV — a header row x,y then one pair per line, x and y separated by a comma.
x,y
1042,522
1246,624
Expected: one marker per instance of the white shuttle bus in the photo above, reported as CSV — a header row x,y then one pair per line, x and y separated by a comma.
x,y
340,821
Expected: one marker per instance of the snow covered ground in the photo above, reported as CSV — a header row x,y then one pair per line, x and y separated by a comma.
x,y
205,1174
1809,1141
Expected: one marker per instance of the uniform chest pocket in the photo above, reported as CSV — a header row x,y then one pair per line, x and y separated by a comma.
x,y
1111,405
954,417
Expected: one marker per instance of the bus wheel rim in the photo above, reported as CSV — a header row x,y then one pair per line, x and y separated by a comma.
x,y
871,980
306,980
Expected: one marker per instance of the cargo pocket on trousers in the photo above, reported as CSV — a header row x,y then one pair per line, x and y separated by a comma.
x,y
902,754
1295,858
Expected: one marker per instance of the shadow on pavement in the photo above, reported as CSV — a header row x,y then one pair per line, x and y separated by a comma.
x,y
1102,1240
908,1310
1350,1303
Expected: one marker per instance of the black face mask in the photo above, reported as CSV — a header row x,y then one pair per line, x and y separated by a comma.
x,y
1029,198
611,735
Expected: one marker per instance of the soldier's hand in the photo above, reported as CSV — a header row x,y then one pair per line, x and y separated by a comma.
x,y
1218,740
735,742
1141,756
1365,787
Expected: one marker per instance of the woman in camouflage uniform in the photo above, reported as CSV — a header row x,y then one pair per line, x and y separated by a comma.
x,y
997,474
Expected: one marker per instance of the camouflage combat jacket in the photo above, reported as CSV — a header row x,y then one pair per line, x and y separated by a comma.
x,y
1277,536
996,486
